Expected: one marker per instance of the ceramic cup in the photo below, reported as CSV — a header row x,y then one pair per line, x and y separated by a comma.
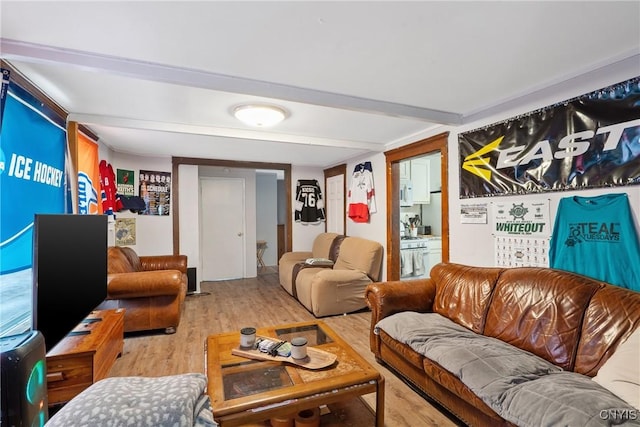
x,y
299,348
247,337
308,418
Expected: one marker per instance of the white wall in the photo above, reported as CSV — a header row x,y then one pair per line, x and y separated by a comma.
x,y
154,234
482,250
189,221
267,215
376,228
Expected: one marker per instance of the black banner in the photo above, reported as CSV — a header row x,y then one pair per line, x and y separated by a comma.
x,y
587,142
3,91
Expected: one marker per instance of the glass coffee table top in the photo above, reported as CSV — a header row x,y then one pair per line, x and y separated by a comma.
x,y
245,389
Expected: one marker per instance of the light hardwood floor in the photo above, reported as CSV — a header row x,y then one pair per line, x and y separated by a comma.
x,y
230,305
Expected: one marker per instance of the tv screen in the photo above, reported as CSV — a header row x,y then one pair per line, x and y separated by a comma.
x,y
69,271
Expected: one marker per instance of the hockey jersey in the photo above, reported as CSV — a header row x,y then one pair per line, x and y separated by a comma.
x,y
309,206
110,200
596,237
361,196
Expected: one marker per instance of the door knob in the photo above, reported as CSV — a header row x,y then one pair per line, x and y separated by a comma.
x,y
240,234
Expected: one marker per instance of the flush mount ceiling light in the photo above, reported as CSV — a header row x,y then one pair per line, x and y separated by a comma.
x,y
259,115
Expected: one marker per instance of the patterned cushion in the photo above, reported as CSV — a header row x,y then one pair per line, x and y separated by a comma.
x,y
177,400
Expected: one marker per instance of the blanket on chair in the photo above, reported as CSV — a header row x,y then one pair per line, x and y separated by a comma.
x,y
175,400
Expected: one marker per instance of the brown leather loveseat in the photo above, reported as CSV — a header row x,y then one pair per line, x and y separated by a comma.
x,y
151,289
457,337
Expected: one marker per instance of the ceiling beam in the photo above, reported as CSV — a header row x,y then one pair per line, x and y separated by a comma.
x,y
220,132
31,52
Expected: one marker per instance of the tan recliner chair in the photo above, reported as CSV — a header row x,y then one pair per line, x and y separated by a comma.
x,y
338,290
325,245
151,289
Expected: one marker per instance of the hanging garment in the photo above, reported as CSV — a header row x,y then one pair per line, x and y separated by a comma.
x,y
361,196
309,204
406,262
418,262
596,237
110,200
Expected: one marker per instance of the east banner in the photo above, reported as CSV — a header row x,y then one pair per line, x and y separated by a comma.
x,y
587,142
89,201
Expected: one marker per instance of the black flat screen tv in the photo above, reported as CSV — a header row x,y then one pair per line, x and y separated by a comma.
x,y
69,271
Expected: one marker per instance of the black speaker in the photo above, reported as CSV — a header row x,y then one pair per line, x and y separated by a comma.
x,y
191,280
24,381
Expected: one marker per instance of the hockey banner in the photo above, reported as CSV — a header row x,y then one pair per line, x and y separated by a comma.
x,y
32,164
89,200
587,142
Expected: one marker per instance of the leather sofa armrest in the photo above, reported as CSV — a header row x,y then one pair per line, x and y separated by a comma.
x,y
387,298
144,284
164,262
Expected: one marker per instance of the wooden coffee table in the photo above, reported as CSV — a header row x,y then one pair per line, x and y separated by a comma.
x,y
244,391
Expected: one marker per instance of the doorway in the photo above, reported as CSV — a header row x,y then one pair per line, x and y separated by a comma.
x,y
395,159
286,242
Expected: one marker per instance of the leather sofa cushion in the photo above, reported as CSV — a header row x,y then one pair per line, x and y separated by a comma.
x,y
612,309
117,261
541,311
463,293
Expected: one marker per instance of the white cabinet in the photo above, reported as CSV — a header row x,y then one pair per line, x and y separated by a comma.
x,y
435,254
420,177
436,179
405,170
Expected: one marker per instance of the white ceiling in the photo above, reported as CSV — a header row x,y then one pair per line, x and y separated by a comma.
x,y
160,78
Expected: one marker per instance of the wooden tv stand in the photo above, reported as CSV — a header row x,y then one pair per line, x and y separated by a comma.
x,y
84,356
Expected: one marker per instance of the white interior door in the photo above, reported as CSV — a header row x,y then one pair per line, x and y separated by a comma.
x,y
222,234
335,204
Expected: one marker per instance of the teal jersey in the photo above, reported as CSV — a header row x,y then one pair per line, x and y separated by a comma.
x,y
596,237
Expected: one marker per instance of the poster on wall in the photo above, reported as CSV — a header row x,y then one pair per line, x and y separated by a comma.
x,y
89,199
521,251
155,190
527,218
33,180
124,182
473,213
521,231
590,141
125,231
32,162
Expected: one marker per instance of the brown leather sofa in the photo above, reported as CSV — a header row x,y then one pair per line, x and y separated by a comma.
x,y
336,288
572,321
151,289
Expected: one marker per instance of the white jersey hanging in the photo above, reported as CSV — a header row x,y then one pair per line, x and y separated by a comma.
x,y
361,197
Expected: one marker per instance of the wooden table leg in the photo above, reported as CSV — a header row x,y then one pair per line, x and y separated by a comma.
x,y
380,402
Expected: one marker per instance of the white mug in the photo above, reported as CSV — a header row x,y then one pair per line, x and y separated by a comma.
x,y
247,337
299,348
